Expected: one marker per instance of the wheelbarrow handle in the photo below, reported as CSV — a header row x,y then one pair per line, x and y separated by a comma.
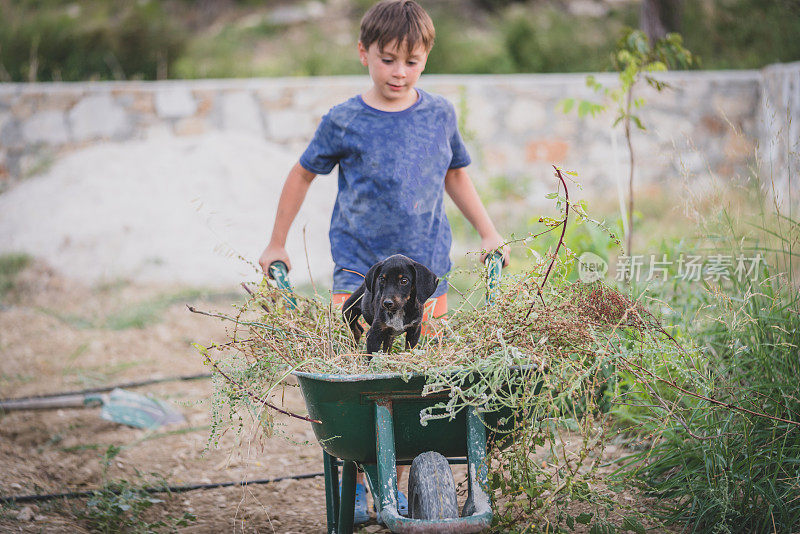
x,y
279,272
494,265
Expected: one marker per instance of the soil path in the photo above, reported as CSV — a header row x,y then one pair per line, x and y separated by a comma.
x,y
57,335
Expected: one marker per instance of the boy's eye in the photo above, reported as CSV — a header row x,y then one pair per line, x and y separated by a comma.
x,y
387,60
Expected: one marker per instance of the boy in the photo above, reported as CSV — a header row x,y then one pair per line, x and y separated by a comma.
x,y
398,149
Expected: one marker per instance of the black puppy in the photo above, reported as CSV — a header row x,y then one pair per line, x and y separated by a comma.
x,y
391,300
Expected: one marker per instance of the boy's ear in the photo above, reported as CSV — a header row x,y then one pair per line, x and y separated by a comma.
x,y
372,274
425,283
362,53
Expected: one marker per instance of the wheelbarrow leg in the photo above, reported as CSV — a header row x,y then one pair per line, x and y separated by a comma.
x,y
331,490
347,502
387,469
478,500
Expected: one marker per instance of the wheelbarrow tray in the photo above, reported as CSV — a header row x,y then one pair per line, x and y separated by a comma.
x,y
345,405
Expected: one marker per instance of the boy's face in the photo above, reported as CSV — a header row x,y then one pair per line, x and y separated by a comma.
x,y
394,71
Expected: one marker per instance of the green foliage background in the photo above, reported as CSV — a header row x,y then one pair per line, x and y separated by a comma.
x,y
51,40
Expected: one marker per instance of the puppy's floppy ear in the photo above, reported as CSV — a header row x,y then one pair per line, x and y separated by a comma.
x,y
426,282
372,274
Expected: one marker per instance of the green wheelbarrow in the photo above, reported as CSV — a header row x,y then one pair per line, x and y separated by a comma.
x,y
372,422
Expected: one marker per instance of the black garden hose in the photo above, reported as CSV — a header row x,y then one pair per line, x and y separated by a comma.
x,y
11,499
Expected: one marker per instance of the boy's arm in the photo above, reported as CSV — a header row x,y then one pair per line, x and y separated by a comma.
x,y
459,186
292,196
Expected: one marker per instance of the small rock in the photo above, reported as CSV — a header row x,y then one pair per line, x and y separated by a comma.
x,y
26,514
39,517
373,528
16,486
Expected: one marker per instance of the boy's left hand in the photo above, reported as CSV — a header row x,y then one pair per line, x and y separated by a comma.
x,y
492,243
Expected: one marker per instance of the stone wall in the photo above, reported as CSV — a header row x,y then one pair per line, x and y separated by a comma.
x,y
706,121
779,136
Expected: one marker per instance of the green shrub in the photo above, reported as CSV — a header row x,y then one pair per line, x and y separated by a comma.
x,y
88,41
547,40
740,34
460,49
54,40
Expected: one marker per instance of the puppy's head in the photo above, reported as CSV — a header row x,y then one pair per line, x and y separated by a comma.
x,y
397,280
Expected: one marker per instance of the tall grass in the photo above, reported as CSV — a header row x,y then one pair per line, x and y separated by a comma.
x,y
717,467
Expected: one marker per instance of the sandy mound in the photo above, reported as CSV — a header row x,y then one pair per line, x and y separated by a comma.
x,y
165,210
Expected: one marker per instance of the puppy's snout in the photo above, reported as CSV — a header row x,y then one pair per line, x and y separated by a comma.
x,y
388,304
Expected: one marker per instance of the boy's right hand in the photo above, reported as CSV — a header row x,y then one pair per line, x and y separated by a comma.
x,y
272,254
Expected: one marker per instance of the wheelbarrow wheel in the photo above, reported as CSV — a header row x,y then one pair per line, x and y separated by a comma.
x,y
431,488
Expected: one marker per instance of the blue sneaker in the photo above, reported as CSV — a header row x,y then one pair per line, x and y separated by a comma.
x,y
402,506
361,513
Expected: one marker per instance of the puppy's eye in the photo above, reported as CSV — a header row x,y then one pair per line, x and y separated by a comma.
x,y
403,281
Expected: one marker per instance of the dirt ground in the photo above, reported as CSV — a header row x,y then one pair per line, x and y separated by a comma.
x,y
58,335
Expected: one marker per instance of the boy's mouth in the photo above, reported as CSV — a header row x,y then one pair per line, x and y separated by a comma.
x,y
394,87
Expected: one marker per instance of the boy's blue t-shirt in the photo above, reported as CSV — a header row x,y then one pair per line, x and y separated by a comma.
x,y
391,183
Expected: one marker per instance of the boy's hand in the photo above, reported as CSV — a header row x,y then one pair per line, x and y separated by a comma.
x,y
492,243
271,254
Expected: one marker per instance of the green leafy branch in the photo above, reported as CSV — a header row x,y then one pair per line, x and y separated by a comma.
x,y
635,59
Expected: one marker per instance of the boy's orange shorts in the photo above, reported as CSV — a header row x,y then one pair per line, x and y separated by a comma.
x,y
434,307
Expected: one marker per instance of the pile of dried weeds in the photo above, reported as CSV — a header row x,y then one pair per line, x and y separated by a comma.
x,y
271,337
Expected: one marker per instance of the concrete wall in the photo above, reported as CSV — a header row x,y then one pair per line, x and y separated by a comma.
x,y
706,121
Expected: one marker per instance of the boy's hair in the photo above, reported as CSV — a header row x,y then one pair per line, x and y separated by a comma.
x,y
397,20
